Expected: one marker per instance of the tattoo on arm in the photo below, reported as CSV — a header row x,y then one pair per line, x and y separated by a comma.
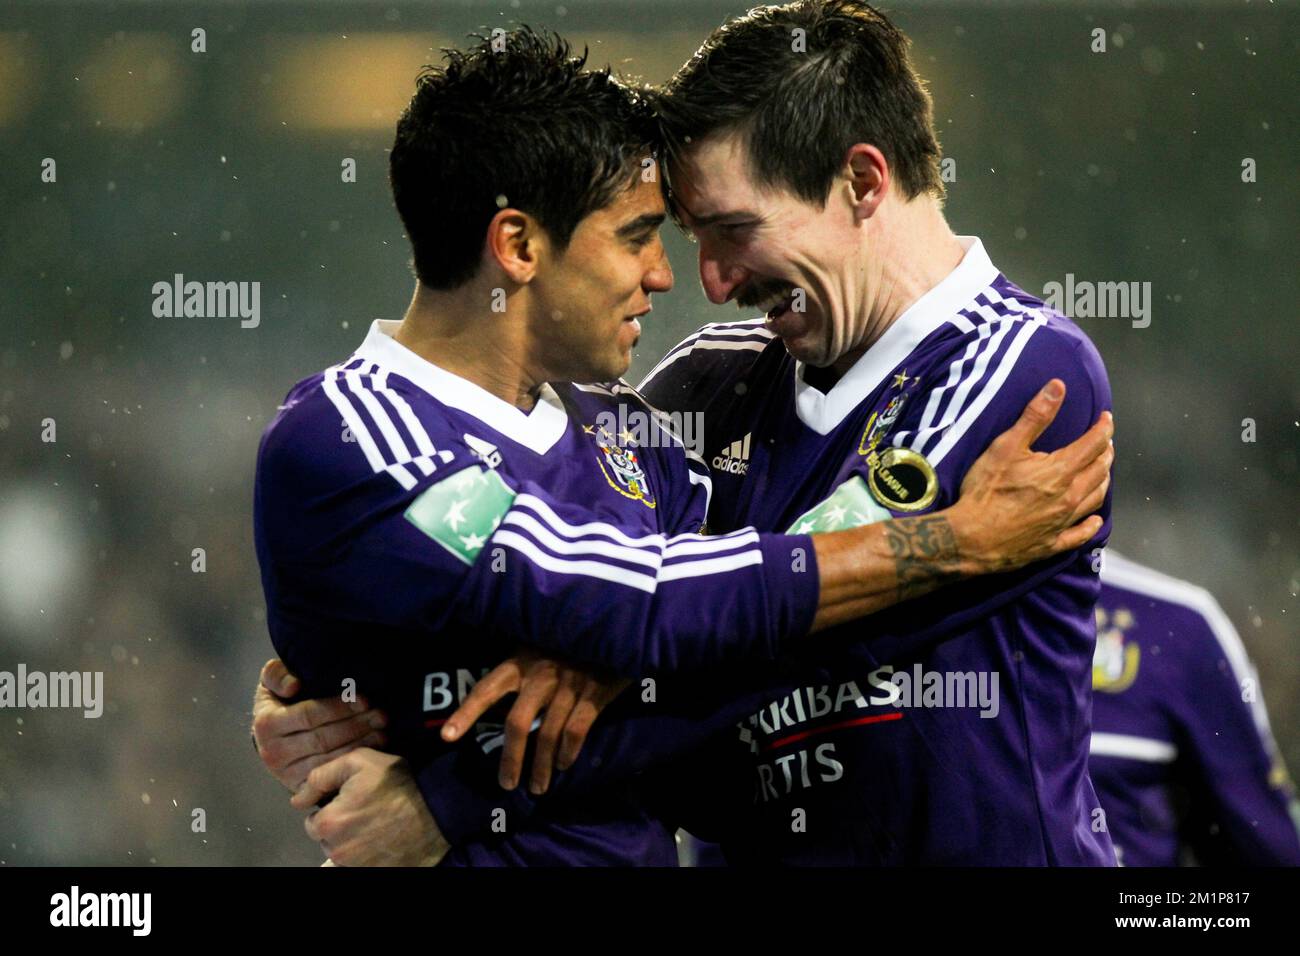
x,y
925,554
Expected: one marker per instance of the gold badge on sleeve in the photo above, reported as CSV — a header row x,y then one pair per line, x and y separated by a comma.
x,y
902,480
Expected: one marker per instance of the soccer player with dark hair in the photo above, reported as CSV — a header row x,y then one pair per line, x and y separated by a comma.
x,y
891,353
445,494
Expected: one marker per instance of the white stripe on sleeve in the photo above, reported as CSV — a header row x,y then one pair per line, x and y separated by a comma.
x,y
361,433
986,394
1135,748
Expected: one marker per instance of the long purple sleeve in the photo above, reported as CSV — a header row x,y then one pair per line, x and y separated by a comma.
x,y
589,592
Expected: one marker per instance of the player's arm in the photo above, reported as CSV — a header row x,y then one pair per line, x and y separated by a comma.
x,y
1016,506
293,739
590,593
377,816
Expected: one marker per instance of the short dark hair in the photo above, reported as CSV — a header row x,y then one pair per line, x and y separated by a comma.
x,y
799,111
516,116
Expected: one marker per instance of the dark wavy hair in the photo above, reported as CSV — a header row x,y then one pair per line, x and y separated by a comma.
x,y
802,99
518,120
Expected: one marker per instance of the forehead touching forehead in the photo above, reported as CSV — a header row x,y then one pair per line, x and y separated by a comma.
x,y
640,204
713,181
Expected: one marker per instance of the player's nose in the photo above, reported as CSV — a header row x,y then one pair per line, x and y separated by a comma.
x,y
660,276
719,278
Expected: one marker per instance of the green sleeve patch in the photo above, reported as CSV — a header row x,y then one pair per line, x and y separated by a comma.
x,y
849,506
462,511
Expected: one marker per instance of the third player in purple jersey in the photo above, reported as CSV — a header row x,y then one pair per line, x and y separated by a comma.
x,y
1182,754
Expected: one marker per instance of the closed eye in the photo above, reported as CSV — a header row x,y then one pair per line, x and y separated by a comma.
x,y
735,230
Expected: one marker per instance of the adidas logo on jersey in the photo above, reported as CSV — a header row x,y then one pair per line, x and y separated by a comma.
x,y
734,459
486,451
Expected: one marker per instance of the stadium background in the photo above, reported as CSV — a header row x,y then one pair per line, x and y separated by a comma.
x,y
225,165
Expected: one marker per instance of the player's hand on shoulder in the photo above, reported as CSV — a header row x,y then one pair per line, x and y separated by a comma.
x,y
569,698
294,739
377,816
1017,506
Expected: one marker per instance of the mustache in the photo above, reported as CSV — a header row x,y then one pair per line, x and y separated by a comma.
x,y
761,291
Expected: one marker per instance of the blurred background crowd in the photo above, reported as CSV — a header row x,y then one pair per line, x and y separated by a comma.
x,y
225,165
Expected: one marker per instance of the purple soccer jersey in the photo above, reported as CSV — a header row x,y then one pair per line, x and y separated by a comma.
x,y
951,730
1182,755
412,529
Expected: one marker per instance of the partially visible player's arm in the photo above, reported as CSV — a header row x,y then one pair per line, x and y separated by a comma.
x,y
1011,500
377,817
1016,506
457,791
1240,783
593,594
293,739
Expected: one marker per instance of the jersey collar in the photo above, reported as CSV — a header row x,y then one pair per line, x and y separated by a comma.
x,y
823,412
539,429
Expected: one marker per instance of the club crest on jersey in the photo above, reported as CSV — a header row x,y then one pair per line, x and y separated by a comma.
x,y
622,467
1115,660
878,425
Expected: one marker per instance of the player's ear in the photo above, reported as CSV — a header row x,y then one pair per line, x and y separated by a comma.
x,y
867,174
514,242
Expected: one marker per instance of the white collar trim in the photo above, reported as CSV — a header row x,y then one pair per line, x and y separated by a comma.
x,y
539,429
822,412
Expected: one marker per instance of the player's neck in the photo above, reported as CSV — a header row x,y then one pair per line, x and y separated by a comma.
x,y
457,333
916,251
